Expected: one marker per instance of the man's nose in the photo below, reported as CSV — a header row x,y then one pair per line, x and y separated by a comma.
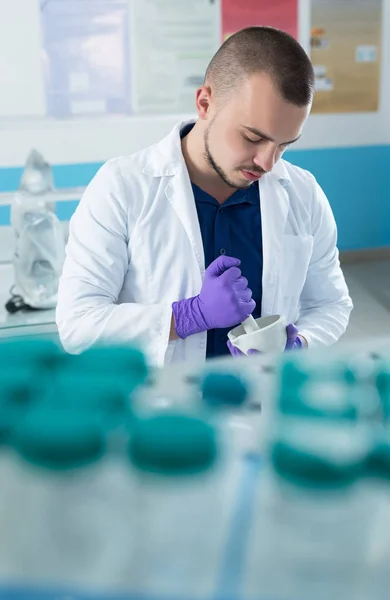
x,y
266,157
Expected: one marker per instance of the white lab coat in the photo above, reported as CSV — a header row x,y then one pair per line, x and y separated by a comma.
x,y
135,247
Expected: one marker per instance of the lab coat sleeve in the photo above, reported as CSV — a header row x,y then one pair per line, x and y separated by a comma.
x,y
94,270
325,304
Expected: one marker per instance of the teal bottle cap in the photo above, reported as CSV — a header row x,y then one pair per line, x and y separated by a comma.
x,y
294,372
99,395
359,369
317,399
224,389
22,351
10,416
90,391
17,394
319,452
126,362
383,387
383,380
299,368
173,444
58,438
378,463
304,467
20,386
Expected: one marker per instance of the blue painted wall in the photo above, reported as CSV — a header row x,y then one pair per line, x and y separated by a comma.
x,y
356,181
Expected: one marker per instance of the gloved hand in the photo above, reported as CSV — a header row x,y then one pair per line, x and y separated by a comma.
x,y
236,352
293,341
224,300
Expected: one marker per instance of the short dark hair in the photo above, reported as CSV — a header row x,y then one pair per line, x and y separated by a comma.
x,y
263,50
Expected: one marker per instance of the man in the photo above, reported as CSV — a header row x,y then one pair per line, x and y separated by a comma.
x,y
176,244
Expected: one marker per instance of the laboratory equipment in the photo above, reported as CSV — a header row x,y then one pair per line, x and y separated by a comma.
x,y
122,481
39,239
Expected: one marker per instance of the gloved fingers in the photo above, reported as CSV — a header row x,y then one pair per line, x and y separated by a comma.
x,y
233,350
292,337
236,352
292,332
231,275
241,284
248,308
221,264
245,295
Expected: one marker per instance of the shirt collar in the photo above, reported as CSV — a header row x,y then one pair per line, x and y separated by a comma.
x,y
248,196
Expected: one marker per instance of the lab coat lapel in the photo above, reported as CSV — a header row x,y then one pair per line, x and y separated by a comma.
x,y
274,204
166,160
180,195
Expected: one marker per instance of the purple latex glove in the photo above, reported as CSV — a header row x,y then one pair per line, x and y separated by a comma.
x,y
237,353
224,300
293,341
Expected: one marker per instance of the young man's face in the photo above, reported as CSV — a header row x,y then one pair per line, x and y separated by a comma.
x,y
247,135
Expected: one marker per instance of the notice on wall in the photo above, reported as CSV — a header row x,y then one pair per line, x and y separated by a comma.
x,y
237,14
85,56
172,44
346,52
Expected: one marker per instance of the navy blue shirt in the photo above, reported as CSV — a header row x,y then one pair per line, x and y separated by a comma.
x,y
232,228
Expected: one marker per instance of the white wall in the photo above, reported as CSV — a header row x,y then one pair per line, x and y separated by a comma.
x,y
96,139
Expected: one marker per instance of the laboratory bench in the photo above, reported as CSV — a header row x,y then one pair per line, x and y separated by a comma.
x,y
24,322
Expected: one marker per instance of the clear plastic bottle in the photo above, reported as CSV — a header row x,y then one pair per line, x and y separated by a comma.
x,y
39,237
377,492
66,510
181,518
309,534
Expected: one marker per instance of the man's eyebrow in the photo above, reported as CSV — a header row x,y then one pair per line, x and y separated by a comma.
x,y
264,136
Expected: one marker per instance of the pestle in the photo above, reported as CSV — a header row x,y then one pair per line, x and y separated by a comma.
x,y
250,325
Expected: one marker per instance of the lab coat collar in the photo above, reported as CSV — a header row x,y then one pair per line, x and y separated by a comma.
x,y
166,157
280,172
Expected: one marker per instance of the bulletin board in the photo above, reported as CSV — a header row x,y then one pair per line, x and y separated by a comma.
x,y
346,54
88,58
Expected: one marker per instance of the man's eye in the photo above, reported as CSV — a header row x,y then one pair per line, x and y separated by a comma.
x,y
250,140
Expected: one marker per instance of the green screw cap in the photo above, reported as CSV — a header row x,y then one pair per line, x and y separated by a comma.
x,y
294,372
173,444
19,386
378,462
319,400
9,419
126,362
383,375
99,395
304,467
89,391
59,438
299,368
17,394
22,351
224,389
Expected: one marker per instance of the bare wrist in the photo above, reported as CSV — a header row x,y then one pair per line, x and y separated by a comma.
x,y
173,334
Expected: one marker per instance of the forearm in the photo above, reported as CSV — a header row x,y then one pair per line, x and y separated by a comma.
x,y
85,319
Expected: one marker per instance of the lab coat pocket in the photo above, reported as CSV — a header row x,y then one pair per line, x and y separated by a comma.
x,y
296,255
